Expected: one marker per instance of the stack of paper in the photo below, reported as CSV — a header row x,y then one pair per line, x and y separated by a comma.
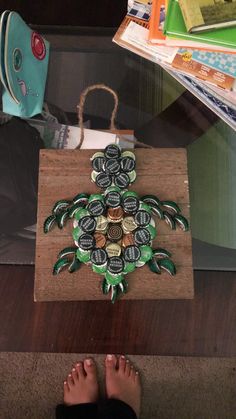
x,y
201,57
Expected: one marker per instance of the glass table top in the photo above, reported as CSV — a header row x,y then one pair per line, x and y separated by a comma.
x,y
163,113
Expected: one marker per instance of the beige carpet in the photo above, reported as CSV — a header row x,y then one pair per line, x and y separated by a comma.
x,y
173,387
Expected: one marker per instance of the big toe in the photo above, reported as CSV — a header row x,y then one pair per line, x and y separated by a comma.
x,y
90,368
110,363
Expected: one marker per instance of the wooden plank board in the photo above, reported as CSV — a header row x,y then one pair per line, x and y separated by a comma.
x,y
63,174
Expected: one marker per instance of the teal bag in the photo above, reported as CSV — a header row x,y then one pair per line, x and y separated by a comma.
x,y
24,58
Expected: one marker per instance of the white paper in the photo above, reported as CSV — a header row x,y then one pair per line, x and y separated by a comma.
x,y
138,35
93,139
59,136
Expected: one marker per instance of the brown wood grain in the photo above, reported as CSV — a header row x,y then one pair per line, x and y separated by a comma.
x,y
204,326
65,173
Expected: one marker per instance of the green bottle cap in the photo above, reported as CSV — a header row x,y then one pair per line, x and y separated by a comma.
x,y
128,153
152,230
99,269
97,154
83,255
113,279
146,253
129,193
94,175
145,207
129,267
112,189
139,263
76,233
96,197
81,213
132,176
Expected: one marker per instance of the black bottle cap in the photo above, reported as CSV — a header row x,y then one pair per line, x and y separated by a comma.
x,y
130,204
96,208
127,164
97,163
112,166
122,180
87,224
103,180
142,236
113,199
112,151
115,264
86,241
99,257
142,218
132,253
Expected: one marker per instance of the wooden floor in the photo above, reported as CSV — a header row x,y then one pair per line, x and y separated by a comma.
x,y
205,326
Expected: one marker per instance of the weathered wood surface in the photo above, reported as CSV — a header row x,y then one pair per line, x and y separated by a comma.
x,y
63,174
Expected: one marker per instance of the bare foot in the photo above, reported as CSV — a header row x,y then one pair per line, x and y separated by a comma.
x,y
81,385
123,382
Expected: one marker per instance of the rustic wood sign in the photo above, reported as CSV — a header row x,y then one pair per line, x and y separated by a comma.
x,y
66,173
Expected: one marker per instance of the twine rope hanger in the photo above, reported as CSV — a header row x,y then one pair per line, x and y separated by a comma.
x,y
80,110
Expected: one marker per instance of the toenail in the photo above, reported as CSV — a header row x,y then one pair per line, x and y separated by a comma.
x,y
65,383
137,373
109,357
127,361
78,365
122,357
73,369
69,375
89,362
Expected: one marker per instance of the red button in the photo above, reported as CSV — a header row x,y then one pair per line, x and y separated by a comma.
x,y
38,46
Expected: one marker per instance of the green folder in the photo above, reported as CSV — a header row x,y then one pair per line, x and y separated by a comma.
x,y
175,28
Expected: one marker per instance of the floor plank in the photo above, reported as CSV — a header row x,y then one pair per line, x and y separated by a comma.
x,y
204,326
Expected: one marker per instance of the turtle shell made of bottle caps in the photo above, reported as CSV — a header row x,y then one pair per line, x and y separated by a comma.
x,y
113,229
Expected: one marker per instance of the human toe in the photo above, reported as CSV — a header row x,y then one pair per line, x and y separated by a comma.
x,y
122,364
80,370
110,363
132,373
90,368
66,387
137,378
127,368
70,381
74,375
